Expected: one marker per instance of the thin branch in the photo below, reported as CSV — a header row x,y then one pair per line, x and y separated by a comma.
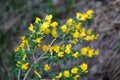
x,y
46,52
30,69
19,74
34,57
41,57
27,73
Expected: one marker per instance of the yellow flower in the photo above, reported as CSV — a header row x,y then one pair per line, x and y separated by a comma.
x,y
25,41
60,54
37,74
59,75
46,67
51,50
24,56
38,40
84,50
82,34
56,48
87,38
47,31
54,24
89,31
37,19
96,52
68,48
89,13
76,34
54,32
22,46
17,49
74,41
76,77
84,17
93,37
18,63
70,21
31,28
90,53
66,73
68,51
78,15
75,55
77,26
24,66
74,70
84,67
64,28
23,37
48,17
45,48
44,26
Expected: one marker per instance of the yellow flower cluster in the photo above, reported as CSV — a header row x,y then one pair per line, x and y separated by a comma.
x,y
33,41
60,50
47,26
24,43
21,48
76,30
74,72
84,16
23,66
46,67
87,51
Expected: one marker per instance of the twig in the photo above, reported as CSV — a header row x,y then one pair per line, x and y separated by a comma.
x,y
46,52
19,74
41,57
34,57
27,73
31,68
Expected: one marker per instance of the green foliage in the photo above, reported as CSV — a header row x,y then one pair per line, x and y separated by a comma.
x,y
118,46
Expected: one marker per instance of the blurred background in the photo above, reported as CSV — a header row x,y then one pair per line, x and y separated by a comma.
x,y
16,15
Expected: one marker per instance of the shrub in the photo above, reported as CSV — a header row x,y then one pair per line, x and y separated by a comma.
x,y
38,65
